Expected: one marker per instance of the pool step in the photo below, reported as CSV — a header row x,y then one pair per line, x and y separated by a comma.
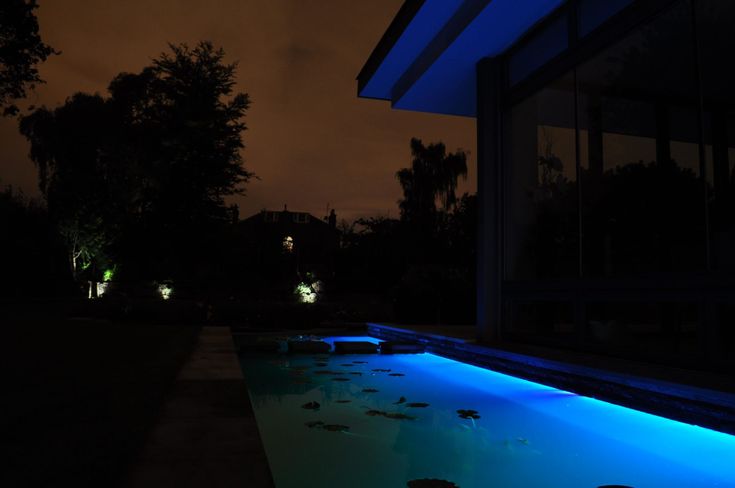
x,y
401,347
261,345
357,347
308,347
314,345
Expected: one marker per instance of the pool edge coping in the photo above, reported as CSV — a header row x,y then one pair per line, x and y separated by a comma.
x,y
685,403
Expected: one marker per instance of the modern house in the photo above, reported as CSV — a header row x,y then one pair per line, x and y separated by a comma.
x,y
606,164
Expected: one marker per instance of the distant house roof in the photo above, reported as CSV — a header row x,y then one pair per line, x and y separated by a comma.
x,y
426,59
282,217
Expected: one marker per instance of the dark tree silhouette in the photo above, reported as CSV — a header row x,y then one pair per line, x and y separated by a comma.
x,y
21,50
651,215
424,262
183,109
139,178
34,264
184,133
432,176
72,147
461,233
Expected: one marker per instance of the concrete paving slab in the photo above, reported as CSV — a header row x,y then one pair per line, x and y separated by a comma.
x,y
207,435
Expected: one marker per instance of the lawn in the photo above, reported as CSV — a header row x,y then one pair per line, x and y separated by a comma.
x,y
81,395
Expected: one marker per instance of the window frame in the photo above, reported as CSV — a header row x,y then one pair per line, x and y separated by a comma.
x,y
579,50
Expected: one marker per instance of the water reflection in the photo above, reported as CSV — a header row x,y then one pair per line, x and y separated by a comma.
x,y
523,435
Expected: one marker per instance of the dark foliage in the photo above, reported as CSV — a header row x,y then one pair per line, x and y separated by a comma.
x,y
647,229
372,254
641,229
432,176
81,397
138,179
186,124
33,263
425,260
73,147
21,50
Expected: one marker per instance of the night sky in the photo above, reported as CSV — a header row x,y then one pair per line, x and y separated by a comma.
x,y
310,139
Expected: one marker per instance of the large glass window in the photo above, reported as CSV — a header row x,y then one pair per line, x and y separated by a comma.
x,y
592,13
619,187
643,202
541,222
717,48
634,142
651,329
540,321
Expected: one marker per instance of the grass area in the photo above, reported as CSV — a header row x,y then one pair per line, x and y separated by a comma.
x,y
80,396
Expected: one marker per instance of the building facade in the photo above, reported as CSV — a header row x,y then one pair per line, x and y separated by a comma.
x,y
297,242
606,164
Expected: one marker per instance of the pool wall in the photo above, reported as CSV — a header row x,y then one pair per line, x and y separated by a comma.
x,y
693,405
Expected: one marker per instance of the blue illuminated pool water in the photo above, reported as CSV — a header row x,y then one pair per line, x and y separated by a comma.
x,y
528,435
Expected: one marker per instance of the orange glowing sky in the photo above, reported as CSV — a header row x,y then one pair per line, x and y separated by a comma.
x,y
310,139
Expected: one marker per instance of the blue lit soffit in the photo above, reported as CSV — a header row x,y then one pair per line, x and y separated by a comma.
x,y
414,27
430,67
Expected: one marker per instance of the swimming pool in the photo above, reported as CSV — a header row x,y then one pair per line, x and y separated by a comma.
x,y
384,420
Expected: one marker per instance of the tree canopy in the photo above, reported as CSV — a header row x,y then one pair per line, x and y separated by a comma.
x,y
186,125
432,177
138,177
21,50
34,255
70,146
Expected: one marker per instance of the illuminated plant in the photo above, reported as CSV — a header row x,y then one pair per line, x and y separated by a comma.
x,y
109,274
165,290
305,293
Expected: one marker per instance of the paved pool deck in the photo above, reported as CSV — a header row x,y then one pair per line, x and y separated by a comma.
x,y
206,435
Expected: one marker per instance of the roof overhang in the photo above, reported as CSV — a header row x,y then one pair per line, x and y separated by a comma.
x,y
427,59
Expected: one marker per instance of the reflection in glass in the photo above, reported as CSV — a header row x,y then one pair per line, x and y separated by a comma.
x,y
650,329
717,48
725,329
541,198
619,191
643,203
531,321
592,13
